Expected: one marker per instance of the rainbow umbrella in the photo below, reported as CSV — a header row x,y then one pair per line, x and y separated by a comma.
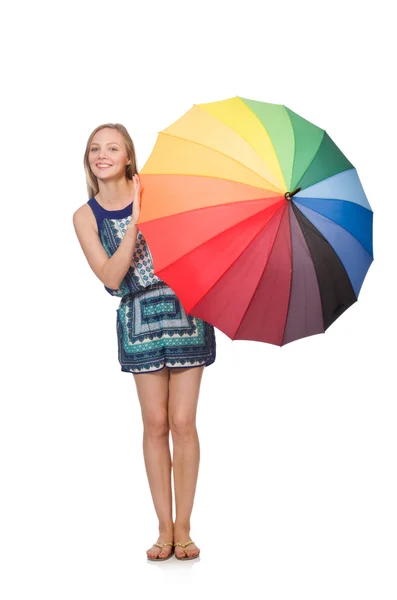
x,y
256,220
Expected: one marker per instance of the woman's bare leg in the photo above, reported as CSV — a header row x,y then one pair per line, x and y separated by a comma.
x,y
182,408
153,391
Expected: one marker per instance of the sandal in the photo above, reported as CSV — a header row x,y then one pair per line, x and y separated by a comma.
x,y
184,546
162,546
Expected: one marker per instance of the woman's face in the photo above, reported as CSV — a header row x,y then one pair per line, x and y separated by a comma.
x,y
107,155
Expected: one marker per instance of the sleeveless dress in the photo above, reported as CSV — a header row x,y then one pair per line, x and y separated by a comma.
x,y
153,329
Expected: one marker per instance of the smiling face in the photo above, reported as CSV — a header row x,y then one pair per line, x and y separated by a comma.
x,y
108,155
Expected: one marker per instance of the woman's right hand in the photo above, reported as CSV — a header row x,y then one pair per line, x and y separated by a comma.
x,y
136,205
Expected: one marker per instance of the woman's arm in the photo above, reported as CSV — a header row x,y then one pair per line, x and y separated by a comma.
x,y
110,271
118,264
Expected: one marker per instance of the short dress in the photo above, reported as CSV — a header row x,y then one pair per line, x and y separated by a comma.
x,y
153,329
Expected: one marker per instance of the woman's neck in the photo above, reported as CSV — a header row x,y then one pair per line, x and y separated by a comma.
x,y
115,193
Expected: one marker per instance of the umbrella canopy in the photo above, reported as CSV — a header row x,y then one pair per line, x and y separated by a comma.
x,y
256,220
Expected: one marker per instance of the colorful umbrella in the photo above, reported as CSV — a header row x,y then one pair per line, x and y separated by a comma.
x,y
256,220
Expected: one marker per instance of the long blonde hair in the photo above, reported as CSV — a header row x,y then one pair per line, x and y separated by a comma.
x,y
130,170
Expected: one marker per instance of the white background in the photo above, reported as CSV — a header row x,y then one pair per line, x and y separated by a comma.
x,y
297,495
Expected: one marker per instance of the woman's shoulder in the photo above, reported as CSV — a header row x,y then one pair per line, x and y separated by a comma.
x,y
84,215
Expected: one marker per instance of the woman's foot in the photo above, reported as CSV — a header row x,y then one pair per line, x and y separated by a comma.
x,y
182,535
155,551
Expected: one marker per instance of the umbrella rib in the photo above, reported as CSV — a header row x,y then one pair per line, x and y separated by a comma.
x,y
331,220
264,268
262,125
222,154
211,206
276,192
243,138
314,156
293,136
369,208
298,198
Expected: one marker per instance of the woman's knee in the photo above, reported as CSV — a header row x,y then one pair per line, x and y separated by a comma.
x,y
155,423
182,425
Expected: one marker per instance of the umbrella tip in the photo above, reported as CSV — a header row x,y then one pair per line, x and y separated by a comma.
x,y
288,195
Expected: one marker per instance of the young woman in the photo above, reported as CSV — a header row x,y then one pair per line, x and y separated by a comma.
x,y
164,348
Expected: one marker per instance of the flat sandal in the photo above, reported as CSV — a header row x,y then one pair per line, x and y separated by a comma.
x,y
184,546
159,545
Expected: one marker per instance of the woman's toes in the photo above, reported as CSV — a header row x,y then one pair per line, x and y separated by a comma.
x,y
152,553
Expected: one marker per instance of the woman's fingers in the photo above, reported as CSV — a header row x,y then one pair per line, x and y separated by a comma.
x,y
137,197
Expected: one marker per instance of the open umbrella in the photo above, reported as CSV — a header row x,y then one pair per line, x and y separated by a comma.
x,y
256,220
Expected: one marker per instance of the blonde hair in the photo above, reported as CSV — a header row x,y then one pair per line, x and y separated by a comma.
x,y
130,169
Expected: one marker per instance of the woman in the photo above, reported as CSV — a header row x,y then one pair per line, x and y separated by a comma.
x,y
164,348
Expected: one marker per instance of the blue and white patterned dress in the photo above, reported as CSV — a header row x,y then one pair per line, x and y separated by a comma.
x,y
153,329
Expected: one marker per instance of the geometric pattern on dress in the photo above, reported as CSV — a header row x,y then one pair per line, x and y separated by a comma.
x,y
141,273
153,313
154,331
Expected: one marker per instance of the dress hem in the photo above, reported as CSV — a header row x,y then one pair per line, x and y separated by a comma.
x,y
156,370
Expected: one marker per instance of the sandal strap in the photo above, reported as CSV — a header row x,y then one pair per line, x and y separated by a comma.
x,y
160,545
185,544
